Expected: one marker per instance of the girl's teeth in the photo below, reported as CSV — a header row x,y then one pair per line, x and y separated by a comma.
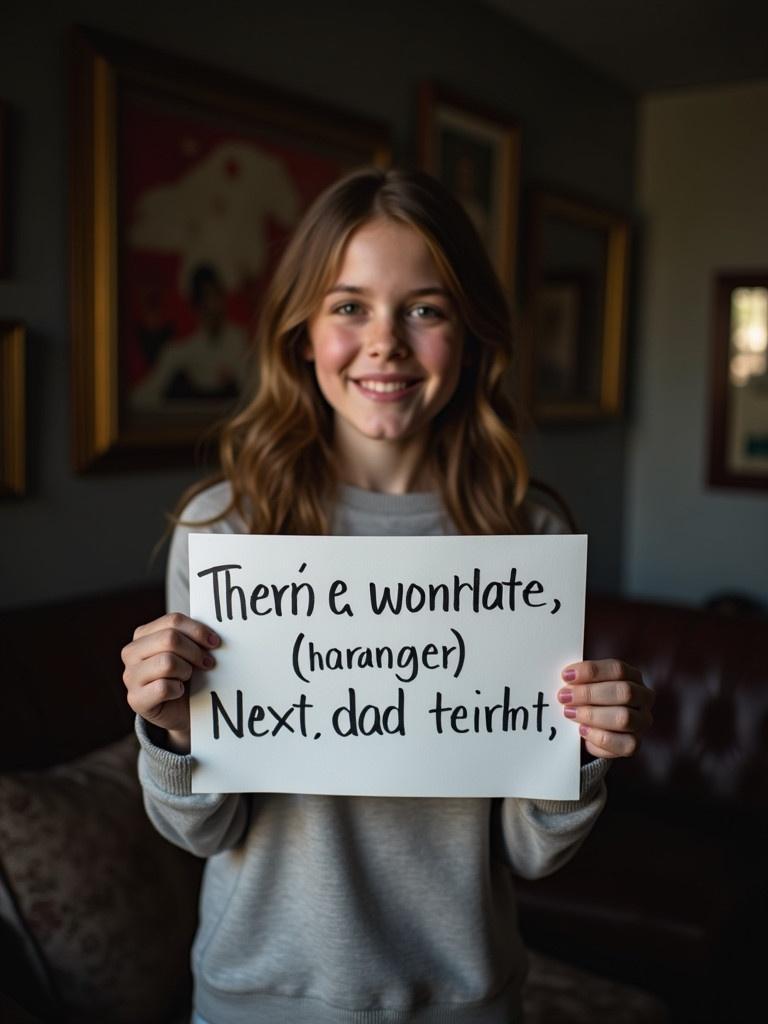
x,y
383,386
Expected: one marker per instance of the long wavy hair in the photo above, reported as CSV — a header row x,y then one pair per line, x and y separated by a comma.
x,y
277,450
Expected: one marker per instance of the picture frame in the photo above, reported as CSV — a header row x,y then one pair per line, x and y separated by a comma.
x,y
575,309
185,183
738,431
475,151
13,452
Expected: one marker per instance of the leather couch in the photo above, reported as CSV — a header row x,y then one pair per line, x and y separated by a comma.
x,y
669,890
667,893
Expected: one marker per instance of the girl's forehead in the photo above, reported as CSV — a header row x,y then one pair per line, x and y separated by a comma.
x,y
386,246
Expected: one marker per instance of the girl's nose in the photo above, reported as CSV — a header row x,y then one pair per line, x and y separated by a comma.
x,y
386,339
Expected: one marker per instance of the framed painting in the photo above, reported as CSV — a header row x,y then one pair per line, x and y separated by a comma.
x,y
13,455
738,448
575,309
475,152
185,183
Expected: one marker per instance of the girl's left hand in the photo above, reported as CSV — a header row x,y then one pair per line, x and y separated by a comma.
x,y
610,702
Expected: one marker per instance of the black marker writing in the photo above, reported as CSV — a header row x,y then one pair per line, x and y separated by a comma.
x,y
445,597
371,720
276,720
265,599
486,717
337,589
405,662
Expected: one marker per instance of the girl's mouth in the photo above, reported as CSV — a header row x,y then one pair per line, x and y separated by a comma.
x,y
386,389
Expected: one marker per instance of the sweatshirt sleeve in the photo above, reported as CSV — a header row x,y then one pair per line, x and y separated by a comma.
x,y
540,836
202,823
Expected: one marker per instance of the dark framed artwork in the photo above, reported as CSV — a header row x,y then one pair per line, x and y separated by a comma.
x,y
475,152
13,451
738,449
575,309
185,183
559,328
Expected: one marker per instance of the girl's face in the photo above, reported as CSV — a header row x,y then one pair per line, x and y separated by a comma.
x,y
387,340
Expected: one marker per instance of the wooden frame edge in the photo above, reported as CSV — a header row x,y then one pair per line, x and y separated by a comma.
x,y
13,453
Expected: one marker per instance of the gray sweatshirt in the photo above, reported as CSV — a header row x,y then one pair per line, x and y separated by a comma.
x,y
357,910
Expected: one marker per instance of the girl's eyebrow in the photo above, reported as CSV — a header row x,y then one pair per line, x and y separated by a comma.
x,y
355,290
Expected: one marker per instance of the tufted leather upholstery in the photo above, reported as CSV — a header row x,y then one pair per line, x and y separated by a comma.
x,y
710,676
668,890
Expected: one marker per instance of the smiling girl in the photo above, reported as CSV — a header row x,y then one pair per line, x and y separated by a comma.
x,y
382,347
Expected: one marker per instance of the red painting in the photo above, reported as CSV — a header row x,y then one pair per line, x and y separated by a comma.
x,y
204,210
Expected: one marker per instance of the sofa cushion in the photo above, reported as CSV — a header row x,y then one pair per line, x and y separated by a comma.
x,y
559,993
109,905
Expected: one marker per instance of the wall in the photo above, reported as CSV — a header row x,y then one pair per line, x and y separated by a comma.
x,y
78,534
702,180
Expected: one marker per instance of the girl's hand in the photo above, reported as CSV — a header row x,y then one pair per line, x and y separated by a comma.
x,y
158,664
610,702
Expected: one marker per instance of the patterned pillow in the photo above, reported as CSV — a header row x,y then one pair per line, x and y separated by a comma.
x,y
109,905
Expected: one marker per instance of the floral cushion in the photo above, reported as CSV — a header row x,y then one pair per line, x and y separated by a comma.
x,y
108,905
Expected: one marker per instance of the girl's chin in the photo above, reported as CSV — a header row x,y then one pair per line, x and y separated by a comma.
x,y
377,431
395,433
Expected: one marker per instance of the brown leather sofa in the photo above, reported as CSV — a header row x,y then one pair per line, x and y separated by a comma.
x,y
669,890
666,893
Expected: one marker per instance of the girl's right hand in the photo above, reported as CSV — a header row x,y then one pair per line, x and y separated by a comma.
x,y
159,662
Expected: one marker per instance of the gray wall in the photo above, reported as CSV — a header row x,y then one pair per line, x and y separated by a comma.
x,y
77,534
703,169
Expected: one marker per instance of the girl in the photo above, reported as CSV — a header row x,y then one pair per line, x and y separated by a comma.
x,y
383,342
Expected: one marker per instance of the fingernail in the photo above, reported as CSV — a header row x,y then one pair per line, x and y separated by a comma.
x,y
565,696
213,640
569,712
569,675
584,730
208,661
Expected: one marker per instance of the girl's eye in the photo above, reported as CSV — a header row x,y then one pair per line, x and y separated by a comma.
x,y
426,313
348,308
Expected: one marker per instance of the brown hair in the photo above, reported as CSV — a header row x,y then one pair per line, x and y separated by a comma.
x,y
277,452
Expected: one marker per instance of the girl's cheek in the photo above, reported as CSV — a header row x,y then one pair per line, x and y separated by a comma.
x,y
337,349
439,351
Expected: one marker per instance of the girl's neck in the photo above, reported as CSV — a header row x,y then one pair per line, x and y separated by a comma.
x,y
383,466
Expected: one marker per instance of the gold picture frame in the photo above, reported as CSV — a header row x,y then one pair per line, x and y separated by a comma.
x,y
13,452
146,128
575,309
475,152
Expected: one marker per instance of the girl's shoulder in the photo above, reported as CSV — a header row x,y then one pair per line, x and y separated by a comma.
x,y
210,508
543,520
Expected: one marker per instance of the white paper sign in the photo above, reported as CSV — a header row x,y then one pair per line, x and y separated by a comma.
x,y
387,666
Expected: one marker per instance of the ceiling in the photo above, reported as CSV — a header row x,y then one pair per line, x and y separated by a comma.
x,y
650,45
